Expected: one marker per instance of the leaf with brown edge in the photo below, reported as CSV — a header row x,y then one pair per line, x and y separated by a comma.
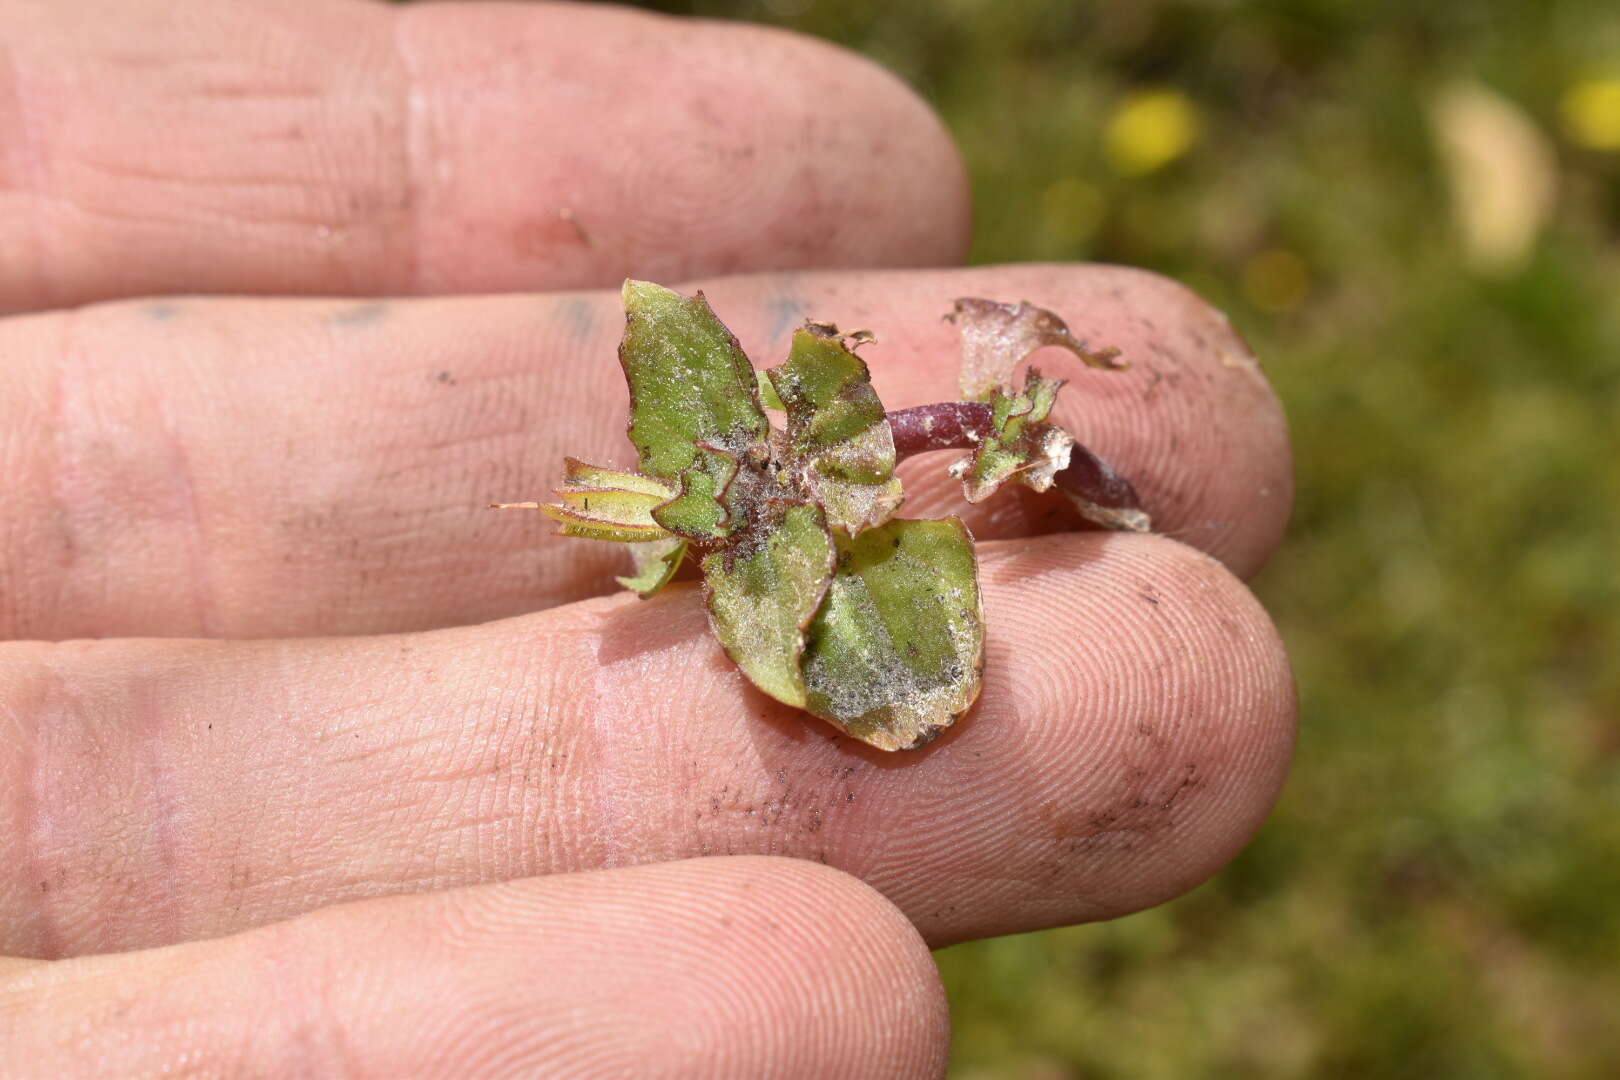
x,y
839,446
896,653
763,591
690,384
997,337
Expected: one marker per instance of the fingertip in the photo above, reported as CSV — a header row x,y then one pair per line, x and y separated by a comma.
x,y
1191,420
711,967
1196,375
1145,699
375,149
744,966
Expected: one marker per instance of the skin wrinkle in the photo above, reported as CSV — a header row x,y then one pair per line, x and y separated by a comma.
x,y
527,794
613,781
195,529
412,137
44,834
481,811
27,764
169,823
62,461
128,857
30,150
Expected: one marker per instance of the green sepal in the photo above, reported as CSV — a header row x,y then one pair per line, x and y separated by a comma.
x,y
1021,445
584,474
700,511
690,383
839,443
573,522
763,591
767,392
599,503
607,504
896,652
656,563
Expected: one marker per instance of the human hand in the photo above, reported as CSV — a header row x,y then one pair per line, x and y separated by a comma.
x,y
308,833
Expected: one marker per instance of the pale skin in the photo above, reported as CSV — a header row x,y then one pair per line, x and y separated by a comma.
x,y
362,778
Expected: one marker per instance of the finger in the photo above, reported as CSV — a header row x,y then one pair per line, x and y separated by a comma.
x,y
1134,727
248,468
713,967
354,148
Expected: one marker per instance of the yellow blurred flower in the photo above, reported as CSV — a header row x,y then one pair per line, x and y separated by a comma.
x,y
1590,112
1149,130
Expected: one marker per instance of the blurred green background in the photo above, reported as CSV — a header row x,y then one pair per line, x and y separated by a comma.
x,y
1412,210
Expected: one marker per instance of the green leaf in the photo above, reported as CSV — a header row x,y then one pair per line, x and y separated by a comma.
x,y
764,590
690,383
895,653
840,446
1022,444
702,511
656,563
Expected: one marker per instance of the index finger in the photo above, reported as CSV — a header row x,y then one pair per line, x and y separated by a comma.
x,y
348,148
266,468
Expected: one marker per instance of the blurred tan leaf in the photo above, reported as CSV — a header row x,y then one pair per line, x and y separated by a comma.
x,y
1501,172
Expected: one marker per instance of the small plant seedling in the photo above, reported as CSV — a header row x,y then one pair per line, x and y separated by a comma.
x,y
822,597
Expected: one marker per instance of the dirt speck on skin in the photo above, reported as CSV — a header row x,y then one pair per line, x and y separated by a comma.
x,y
360,315
781,811
1144,810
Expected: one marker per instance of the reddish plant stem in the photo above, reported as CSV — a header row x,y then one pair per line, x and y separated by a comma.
x,y
960,425
949,425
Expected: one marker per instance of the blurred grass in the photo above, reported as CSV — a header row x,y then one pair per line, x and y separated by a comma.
x,y
1439,892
